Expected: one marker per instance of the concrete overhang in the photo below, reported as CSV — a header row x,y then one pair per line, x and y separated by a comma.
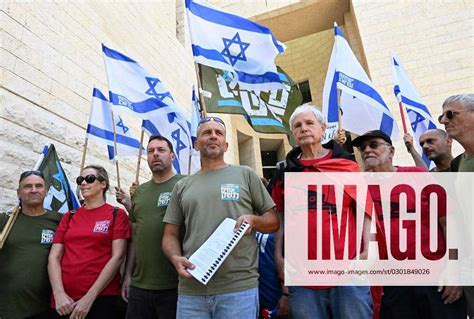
x,y
304,18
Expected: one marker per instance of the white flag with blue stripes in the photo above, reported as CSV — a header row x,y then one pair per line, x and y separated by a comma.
x,y
176,129
133,89
419,115
362,106
229,42
100,128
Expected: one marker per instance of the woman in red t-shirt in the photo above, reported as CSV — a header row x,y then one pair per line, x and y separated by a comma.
x,y
88,249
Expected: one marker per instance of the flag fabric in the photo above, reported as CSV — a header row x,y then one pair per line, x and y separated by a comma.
x,y
266,111
362,106
133,89
195,116
176,129
419,115
100,128
60,197
229,42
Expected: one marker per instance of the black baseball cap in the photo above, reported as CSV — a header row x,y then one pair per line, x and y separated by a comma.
x,y
370,134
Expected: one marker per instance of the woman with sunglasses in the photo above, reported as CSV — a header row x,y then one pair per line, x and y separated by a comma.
x,y
88,249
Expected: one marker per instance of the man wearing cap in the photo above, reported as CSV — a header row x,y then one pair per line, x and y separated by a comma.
x,y
200,203
308,127
24,289
404,302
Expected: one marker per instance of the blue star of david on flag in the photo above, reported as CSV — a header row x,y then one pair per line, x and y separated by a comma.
x,y
232,43
227,52
121,124
152,82
418,119
179,144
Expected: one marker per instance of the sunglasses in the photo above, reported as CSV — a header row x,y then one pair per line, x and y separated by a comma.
x,y
372,144
88,178
211,118
449,115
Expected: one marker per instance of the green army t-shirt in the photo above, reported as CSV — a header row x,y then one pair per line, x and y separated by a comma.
x,y
200,203
25,288
466,164
152,269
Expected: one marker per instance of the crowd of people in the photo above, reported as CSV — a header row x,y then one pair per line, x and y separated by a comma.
x,y
79,266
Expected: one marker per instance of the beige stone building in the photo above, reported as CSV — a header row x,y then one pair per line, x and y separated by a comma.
x,y
50,59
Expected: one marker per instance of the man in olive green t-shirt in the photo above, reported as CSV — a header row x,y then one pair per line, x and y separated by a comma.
x,y
24,290
458,120
150,280
201,202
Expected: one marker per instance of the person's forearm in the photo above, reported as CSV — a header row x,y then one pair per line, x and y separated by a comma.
x,y
171,247
419,162
267,223
55,277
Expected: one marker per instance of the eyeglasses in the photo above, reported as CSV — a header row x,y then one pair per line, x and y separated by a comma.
x,y
211,118
449,115
91,178
372,144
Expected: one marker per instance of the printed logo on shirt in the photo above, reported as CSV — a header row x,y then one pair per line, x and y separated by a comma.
x,y
164,199
230,192
102,226
47,236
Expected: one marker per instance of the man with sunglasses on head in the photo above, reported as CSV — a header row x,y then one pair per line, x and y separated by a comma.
x,y
458,120
377,154
150,282
26,251
201,202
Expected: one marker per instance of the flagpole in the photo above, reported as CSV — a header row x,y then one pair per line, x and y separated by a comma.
x,y
405,131
201,97
83,160
115,150
400,105
137,175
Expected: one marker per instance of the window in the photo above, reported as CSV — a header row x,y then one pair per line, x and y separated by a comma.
x,y
305,91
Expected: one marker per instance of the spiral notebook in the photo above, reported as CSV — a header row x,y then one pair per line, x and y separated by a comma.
x,y
210,256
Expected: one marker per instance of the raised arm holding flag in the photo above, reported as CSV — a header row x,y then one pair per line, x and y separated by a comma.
x,y
410,100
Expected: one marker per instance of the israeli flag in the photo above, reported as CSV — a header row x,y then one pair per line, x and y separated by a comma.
x,y
362,106
100,128
133,89
176,129
228,42
419,115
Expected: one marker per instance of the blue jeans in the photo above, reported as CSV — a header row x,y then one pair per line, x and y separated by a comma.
x,y
240,304
338,303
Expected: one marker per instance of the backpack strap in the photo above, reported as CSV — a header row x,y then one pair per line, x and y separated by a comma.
x,y
114,214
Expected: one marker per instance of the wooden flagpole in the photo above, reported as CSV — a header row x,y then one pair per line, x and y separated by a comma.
x,y
115,150
9,224
137,175
83,160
